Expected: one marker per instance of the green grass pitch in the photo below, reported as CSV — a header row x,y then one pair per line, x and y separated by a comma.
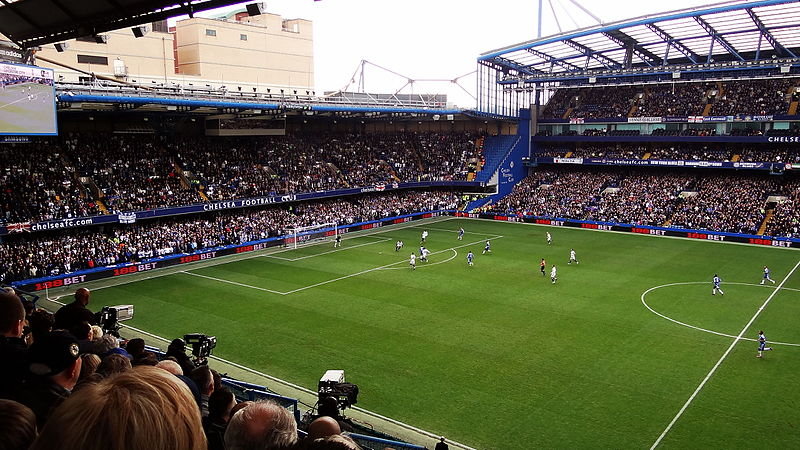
x,y
495,355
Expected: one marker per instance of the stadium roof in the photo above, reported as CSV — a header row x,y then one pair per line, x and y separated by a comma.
x,y
30,23
737,31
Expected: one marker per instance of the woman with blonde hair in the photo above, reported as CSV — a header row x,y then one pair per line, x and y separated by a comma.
x,y
141,409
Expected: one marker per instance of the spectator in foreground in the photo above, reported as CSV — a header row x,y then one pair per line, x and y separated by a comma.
x,y
204,380
54,368
177,350
141,409
71,315
261,425
220,404
333,442
13,351
113,364
17,426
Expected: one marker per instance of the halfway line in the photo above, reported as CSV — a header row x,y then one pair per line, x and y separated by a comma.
x,y
722,358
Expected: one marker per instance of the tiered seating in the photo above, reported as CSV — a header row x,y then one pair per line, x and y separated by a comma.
x,y
24,257
759,97
724,202
495,148
38,186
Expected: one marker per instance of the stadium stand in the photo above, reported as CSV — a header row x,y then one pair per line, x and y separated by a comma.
x,y
141,172
711,201
494,150
38,184
705,151
760,96
37,255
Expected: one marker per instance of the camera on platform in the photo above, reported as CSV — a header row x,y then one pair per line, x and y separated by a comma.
x,y
201,345
109,318
333,386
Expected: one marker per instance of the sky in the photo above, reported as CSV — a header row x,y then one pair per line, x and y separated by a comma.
x,y
434,39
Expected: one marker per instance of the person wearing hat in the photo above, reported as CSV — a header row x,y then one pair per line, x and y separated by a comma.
x,y
53,372
71,315
13,351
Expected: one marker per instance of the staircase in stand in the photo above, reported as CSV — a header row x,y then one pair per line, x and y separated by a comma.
x,y
793,108
767,218
102,207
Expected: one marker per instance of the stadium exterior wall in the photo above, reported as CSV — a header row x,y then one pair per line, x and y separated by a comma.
x,y
706,235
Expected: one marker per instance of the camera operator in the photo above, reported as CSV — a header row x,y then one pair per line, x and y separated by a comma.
x,y
177,349
71,315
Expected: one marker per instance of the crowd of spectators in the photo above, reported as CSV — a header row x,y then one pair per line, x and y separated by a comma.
x,y
38,185
713,201
140,172
759,97
24,257
247,167
726,203
71,386
133,172
675,151
785,221
754,97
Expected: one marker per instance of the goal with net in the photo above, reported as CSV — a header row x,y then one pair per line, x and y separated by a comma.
x,y
313,233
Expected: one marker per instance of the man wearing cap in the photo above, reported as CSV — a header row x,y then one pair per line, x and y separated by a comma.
x,y
53,372
71,315
13,351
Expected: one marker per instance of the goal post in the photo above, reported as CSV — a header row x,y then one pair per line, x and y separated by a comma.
x,y
305,235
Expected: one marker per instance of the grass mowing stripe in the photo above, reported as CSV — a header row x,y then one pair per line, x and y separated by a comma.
x,y
722,358
376,268
300,388
222,280
167,271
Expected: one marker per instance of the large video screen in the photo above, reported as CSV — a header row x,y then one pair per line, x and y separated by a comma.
x,y
27,100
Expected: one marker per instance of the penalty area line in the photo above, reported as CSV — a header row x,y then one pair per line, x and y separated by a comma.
x,y
722,358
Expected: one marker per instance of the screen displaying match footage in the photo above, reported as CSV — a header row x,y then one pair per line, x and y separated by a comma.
x,y
27,100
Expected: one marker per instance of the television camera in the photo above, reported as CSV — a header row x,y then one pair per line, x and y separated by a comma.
x,y
109,318
201,346
334,393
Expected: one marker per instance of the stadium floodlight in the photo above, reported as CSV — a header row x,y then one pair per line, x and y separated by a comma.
x,y
255,9
140,31
323,231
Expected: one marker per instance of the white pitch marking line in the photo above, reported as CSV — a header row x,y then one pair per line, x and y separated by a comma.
x,y
324,253
167,271
455,254
295,386
722,358
374,269
644,294
222,280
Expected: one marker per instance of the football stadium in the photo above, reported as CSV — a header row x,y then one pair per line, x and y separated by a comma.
x,y
202,249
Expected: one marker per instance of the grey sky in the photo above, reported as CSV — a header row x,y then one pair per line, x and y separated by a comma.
x,y
434,38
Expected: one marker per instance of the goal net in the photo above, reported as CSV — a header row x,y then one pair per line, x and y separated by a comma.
x,y
313,233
